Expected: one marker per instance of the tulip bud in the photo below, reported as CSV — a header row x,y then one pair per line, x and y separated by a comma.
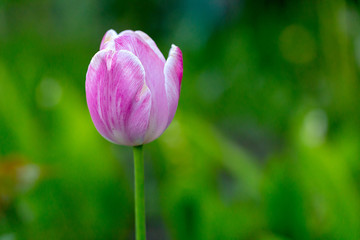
x,y
132,92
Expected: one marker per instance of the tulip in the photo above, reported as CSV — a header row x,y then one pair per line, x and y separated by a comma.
x,y
132,92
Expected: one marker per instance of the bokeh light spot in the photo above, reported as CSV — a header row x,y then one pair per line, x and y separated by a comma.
x,y
314,128
297,45
48,93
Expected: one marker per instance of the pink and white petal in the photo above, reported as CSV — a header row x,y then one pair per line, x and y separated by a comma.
x,y
173,72
132,94
117,96
155,80
108,39
151,43
96,77
126,32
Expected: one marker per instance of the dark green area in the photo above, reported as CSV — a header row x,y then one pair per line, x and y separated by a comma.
x,y
265,143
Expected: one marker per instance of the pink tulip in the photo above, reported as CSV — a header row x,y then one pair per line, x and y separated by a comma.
x,y
131,90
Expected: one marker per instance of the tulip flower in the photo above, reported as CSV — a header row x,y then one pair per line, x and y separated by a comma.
x,y
132,94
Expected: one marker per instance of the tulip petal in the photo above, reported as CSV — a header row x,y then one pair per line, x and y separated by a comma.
x,y
173,75
155,80
118,97
151,43
108,40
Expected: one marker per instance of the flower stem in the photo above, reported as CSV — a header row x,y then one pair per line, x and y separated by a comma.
x,y
139,193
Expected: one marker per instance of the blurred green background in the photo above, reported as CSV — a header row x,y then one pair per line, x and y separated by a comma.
x,y
265,143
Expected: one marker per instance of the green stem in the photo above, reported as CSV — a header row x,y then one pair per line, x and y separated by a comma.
x,y
139,193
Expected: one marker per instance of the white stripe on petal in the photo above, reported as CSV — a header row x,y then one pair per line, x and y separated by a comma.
x,y
108,40
151,43
173,72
